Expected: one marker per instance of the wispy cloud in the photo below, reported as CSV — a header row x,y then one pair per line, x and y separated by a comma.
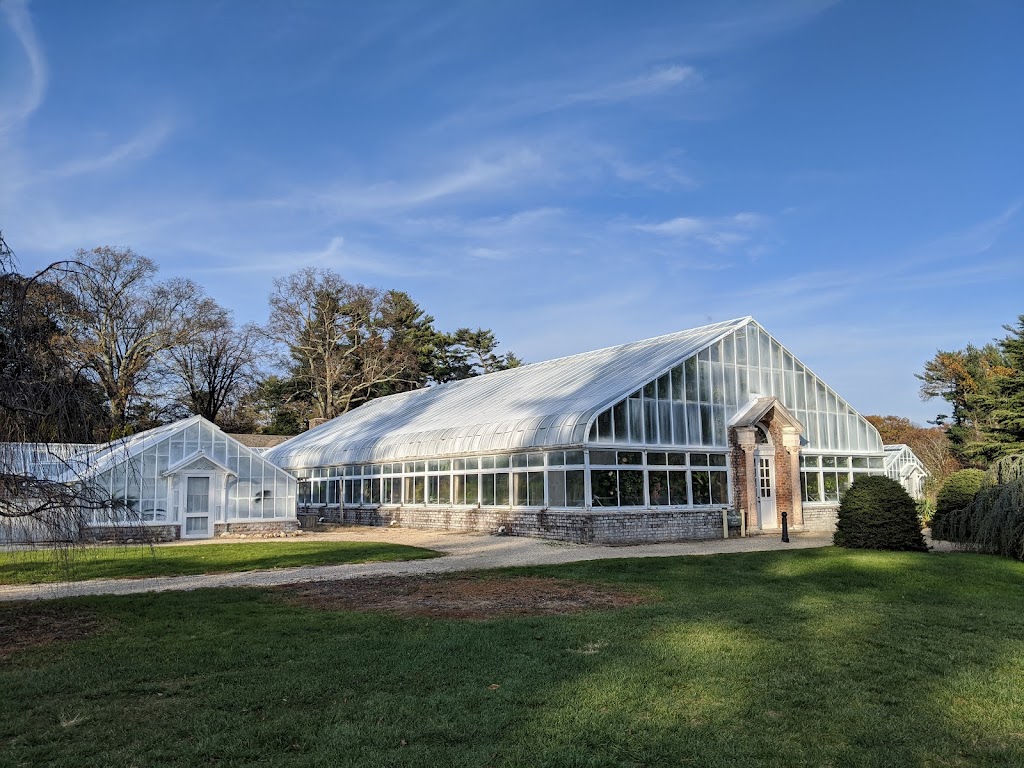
x,y
721,233
978,238
660,79
471,176
17,16
138,148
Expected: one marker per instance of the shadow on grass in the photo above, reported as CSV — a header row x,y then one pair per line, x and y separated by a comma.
x,y
816,657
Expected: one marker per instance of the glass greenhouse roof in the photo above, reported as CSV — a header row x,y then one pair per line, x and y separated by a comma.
x,y
538,405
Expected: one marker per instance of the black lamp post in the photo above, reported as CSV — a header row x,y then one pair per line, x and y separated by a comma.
x,y
785,527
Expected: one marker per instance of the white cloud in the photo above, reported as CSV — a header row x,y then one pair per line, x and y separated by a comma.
x,y
471,176
660,79
721,233
17,16
137,148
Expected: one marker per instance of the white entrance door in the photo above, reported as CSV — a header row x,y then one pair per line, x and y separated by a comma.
x,y
198,521
766,491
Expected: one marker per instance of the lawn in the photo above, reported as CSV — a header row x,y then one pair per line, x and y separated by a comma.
x,y
805,658
114,562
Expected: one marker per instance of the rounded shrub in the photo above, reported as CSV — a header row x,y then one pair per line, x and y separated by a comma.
x,y
877,513
956,494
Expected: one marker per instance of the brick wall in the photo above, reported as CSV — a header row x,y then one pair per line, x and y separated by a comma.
x,y
820,518
132,533
582,527
256,528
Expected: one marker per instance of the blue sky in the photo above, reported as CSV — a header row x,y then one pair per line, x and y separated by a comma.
x,y
572,175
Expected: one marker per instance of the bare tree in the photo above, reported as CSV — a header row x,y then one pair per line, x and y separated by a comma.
x,y
126,320
337,342
217,364
44,397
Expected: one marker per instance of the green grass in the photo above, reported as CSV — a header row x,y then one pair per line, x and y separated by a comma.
x,y
805,658
113,562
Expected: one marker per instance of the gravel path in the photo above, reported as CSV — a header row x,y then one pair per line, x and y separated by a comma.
x,y
463,552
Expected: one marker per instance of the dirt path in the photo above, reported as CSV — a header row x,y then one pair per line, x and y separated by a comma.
x,y
463,552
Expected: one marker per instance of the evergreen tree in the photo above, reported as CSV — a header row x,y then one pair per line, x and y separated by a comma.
x,y
1002,432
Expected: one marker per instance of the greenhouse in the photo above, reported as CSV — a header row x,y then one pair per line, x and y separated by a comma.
x,y
183,480
679,436
903,466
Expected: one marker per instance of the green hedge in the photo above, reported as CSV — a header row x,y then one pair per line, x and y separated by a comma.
x,y
877,513
955,495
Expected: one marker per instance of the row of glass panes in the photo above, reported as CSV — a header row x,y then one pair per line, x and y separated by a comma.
x,y
517,461
665,487
828,484
664,484
691,404
842,462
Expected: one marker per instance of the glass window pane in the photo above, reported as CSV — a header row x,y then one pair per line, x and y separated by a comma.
x,y
678,424
811,486
574,488
536,489
656,457
619,417
501,462
831,484
604,426
574,458
719,488
604,488
556,488
501,489
472,489
487,490
678,459
678,495
657,488
636,421
602,457
631,488
691,379
630,457
651,421
520,489
701,487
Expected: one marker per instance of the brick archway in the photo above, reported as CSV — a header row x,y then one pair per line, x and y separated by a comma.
x,y
784,431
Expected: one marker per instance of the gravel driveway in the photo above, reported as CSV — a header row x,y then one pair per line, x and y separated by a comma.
x,y
463,552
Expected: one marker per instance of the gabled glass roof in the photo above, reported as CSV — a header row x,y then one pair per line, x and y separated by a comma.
x,y
534,406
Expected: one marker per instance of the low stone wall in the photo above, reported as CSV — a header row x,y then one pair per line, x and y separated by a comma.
x,y
820,518
257,528
132,534
579,526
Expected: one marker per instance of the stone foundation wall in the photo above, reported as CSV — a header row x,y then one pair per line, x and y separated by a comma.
x,y
820,518
131,534
578,526
257,527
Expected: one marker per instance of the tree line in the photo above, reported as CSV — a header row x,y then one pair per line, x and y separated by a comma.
x,y
984,388
99,346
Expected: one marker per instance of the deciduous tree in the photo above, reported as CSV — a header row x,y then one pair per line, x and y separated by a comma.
x,y
126,320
